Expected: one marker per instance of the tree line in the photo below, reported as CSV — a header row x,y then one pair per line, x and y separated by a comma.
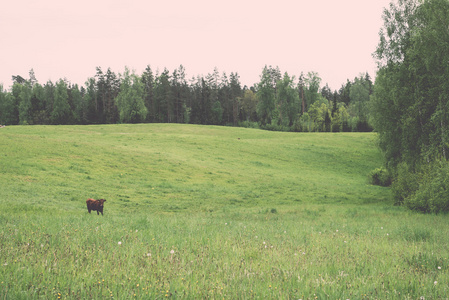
x,y
410,104
277,102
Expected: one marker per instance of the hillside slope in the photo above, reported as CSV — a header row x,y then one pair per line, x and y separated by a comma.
x,y
172,167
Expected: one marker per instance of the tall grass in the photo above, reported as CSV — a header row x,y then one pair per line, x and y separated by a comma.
x,y
207,212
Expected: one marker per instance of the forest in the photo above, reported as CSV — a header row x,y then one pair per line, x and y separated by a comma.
x,y
278,102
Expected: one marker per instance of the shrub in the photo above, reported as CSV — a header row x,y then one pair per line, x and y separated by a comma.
x,y
432,192
405,183
381,177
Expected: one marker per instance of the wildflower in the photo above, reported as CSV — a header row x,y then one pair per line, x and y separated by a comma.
x,y
344,241
119,243
136,230
439,268
172,251
148,254
435,282
226,223
381,228
336,230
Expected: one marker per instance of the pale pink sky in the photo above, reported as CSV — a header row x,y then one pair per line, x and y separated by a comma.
x,y
60,39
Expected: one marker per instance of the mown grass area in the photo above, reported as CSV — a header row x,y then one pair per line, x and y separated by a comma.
x,y
207,212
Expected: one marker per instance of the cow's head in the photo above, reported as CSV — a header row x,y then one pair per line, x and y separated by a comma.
x,y
101,201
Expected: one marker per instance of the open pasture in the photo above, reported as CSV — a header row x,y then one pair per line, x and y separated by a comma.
x,y
207,212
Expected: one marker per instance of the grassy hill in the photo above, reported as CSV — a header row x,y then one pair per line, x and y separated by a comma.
x,y
185,168
207,212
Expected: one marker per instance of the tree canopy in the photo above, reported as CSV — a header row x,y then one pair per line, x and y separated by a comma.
x,y
411,101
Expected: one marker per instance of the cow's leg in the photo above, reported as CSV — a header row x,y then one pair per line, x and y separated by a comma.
x,y
88,210
98,213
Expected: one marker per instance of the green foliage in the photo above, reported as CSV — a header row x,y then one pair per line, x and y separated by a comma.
x,y
433,192
266,96
312,86
249,106
60,113
380,176
130,100
7,108
410,104
287,101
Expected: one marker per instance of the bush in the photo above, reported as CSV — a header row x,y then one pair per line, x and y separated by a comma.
x,y
381,177
405,183
248,124
432,194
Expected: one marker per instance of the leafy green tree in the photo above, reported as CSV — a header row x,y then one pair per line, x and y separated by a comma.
x,y
61,113
7,108
25,112
312,86
235,93
411,93
318,112
301,87
287,101
249,105
39,105
266,97
77,104
359,94
340,118
130,100
148,82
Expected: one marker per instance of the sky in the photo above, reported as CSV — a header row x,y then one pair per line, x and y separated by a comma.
x,y
69,39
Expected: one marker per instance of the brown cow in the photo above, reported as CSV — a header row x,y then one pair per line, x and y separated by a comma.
x,y
97,205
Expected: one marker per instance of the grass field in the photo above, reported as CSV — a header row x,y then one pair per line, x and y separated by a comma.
x,y
207,212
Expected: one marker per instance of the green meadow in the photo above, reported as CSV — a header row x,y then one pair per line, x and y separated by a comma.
x,y
205,212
